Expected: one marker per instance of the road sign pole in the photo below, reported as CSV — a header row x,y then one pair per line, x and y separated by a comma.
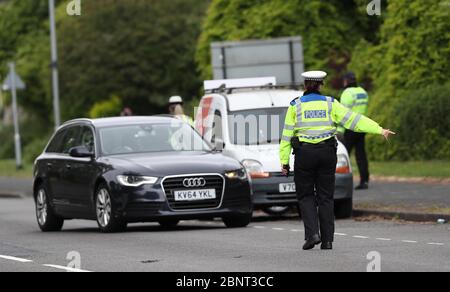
x,y
54,64
18,148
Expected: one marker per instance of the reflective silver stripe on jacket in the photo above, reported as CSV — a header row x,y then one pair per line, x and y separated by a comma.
x,y
355,122
289,128
346,118
286,138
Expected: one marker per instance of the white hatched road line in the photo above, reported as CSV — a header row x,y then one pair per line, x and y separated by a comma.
x,y
360,237
345,234
67,269
20,260
409,241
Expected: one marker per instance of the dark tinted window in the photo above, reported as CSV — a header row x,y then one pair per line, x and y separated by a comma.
x,y
71,139
55,145
87,139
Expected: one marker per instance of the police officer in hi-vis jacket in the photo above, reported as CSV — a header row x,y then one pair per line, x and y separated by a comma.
x,y
311,124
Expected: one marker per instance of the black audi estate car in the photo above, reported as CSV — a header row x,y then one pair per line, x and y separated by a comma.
x,y
137,169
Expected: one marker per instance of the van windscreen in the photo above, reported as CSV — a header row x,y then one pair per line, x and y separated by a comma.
x,y
256,126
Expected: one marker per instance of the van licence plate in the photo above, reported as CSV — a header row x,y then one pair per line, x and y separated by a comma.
x,y
287,188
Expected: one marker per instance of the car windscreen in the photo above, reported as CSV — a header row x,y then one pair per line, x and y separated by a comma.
x,y
147,138
256,126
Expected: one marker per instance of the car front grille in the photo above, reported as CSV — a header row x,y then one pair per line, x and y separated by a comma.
x,y
172,184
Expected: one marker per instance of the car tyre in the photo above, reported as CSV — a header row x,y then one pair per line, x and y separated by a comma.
x,y
105,210
237,221
343,209
168,223
47,220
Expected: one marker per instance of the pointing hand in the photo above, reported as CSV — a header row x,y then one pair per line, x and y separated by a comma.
x,y
387,133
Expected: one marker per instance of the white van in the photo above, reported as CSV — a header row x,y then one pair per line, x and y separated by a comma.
x,y
245,118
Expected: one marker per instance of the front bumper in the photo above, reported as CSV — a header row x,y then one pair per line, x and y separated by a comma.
x,y
148,203
266,192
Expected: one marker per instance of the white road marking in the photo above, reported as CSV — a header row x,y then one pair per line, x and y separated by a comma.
x,y
435,243
67,269
340,234
360,237
384,239
15,259
278,229
296,230
259,227
409,241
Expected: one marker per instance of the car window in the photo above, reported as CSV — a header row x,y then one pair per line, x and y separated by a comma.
x,y
55,145
71,139
146,138
87,139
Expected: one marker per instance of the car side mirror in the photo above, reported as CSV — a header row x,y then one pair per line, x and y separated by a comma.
x,y
219,145
80,152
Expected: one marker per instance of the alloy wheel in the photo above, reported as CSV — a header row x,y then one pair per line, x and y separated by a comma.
x,y
103,208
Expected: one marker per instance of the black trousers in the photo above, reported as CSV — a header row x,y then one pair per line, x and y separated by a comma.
x,y
357,141
315,170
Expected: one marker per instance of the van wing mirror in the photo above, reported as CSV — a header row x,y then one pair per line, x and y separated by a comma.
x,y
219,145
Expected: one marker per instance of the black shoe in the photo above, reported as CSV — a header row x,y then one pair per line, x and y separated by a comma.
x,y
326,246
363,186
312,242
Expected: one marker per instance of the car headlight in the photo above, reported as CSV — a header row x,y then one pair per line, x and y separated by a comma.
x,y
255,169
136,181
237,174
343,165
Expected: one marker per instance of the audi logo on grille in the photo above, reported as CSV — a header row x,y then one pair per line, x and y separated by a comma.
x,y
194,182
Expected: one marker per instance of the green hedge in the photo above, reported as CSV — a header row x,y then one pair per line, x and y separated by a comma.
x,y
409,68
421,122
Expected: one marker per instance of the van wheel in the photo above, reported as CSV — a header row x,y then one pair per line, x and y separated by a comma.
x,y
46,218
343,209
237,221
104,208
277,211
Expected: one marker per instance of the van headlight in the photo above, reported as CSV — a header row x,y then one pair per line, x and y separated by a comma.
x,y
237,174
343,165
255,169
136,181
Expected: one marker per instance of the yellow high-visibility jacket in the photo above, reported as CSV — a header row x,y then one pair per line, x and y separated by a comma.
x,y
314,118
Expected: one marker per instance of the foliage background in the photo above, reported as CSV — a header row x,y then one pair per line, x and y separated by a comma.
x,y
402,58
137,53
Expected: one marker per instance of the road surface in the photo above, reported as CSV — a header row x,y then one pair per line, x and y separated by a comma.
x,y
199,246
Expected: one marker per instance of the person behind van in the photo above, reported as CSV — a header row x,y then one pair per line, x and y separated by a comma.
x,y
176,109
356,99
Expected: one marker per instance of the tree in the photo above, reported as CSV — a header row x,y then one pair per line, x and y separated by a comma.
x,y
139,50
